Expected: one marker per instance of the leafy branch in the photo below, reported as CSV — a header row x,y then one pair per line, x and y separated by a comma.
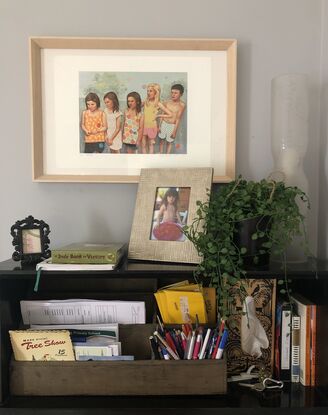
x,y
214,231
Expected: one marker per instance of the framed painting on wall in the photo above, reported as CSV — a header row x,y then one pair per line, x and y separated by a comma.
x,y
104,108
166,202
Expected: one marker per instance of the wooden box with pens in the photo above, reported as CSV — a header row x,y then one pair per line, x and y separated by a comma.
x,y
143,376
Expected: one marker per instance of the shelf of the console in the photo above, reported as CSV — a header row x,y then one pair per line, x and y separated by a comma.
x,y
309,270
294,396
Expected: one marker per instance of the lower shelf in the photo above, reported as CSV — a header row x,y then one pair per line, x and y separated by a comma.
x,y
292,398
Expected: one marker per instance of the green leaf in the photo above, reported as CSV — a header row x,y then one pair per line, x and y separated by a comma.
x,y
243,250
254,236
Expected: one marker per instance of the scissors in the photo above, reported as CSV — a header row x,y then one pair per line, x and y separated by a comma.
x,y
266,384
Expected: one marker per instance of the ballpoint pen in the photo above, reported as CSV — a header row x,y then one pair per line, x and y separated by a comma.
x,y
168,348
170,340
203,349
197,346
165,353
154,347
217,343
184,341
191,345
212,344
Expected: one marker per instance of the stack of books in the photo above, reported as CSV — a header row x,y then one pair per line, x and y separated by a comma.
x,y
84,257
296,357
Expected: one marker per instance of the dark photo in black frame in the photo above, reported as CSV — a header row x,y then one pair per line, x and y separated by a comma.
x,y
30,239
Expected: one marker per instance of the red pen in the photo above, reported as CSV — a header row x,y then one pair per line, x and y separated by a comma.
x,y
170,341
217,343
184,341
197,346
186,328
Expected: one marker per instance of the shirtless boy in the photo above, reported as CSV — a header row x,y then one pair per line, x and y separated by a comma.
x,y
170,123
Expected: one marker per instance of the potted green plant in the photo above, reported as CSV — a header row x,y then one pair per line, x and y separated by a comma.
x,y
267,210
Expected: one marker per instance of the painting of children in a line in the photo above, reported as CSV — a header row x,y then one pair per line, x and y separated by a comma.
x,y
170,213
133,112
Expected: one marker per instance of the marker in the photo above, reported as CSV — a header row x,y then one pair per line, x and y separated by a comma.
x,y
222,344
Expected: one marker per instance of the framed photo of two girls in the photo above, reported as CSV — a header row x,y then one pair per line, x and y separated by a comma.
x,y
105,108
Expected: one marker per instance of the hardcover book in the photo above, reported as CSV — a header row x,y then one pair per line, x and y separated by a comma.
x,y
296,326
304,308
48,265
85,253
282,350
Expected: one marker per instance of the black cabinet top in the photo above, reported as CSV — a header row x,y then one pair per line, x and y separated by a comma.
x,y
314,269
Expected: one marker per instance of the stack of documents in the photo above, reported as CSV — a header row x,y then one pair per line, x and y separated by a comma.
x,y
184,302
83,311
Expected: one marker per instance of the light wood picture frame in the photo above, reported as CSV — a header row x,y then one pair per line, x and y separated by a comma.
x,y
196,183
64,69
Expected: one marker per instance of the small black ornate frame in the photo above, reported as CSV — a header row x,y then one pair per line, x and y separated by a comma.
x,y
30,248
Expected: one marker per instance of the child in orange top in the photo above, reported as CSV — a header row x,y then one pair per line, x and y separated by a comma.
x,y
151,107
94,125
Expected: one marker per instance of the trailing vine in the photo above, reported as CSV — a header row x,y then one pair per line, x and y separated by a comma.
x,y
213,231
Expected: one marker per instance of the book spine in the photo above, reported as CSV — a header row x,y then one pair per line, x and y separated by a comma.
x,y
296,326
277,348
84,257
307,328
285,364
313,343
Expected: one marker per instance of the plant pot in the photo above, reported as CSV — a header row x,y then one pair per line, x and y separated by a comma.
x,y
243,238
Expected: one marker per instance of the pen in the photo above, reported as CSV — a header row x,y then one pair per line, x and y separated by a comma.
x,y
161,326
170,340
212,344
197,346
217,343
165,353
191,345
178,344
154,348
184,341
168,348
202,352
222,344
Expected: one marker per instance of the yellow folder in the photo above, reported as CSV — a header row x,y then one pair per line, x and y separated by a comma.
x,y
178,303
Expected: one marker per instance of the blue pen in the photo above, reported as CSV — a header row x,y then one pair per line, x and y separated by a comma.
x,y
165,353
223,342
212,344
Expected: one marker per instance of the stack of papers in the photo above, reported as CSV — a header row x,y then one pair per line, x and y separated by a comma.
x,y
83,311
181,302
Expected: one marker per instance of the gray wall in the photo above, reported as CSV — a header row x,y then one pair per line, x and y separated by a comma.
x,y
274,37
